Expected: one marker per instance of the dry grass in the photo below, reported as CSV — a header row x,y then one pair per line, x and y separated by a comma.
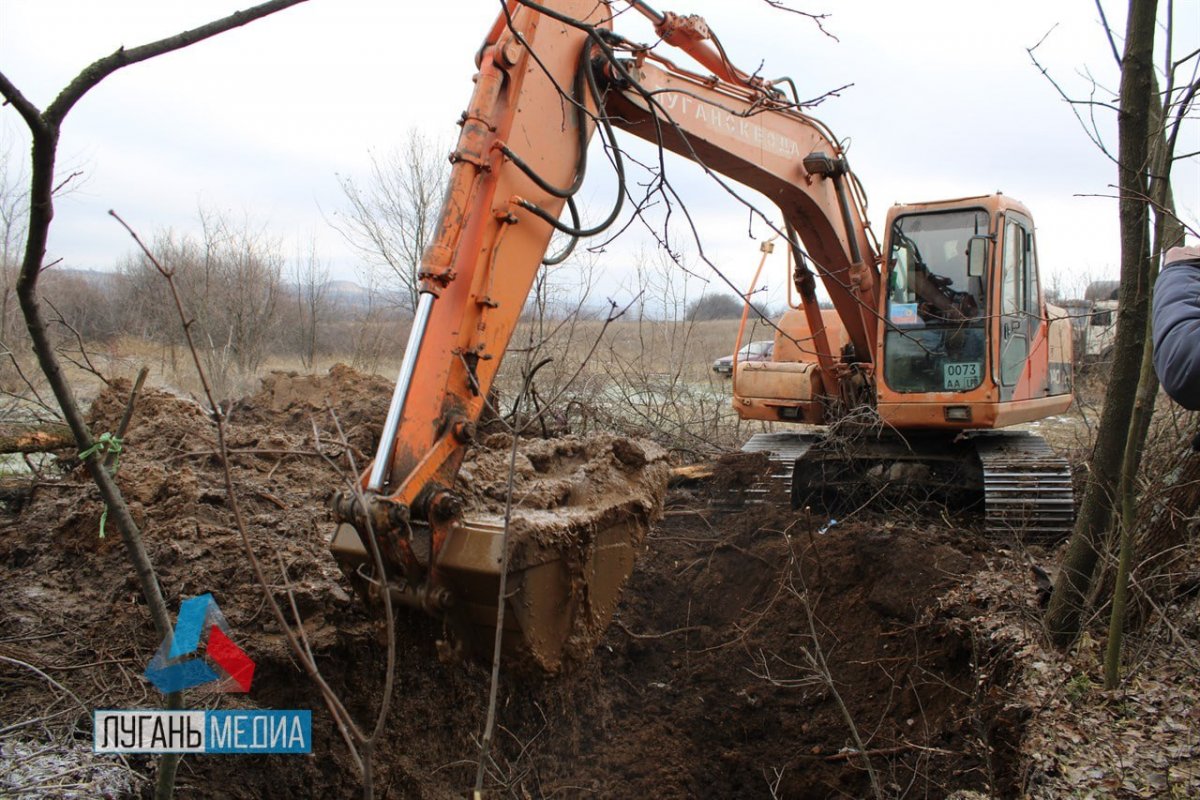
x,y
640,377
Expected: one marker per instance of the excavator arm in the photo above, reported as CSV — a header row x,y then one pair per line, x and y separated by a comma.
x,y
546,75
486,251
755,138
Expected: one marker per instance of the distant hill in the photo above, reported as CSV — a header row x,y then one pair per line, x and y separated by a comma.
x,y
101,279
348,292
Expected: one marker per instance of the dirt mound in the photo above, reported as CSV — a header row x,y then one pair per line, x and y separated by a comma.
x,y
751,656
343,398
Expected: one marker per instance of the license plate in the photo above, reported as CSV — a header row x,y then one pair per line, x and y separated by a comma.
x,y
964,375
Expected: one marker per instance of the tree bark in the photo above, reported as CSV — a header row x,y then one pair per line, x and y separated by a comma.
x,y
1168,233
1065,614
42,437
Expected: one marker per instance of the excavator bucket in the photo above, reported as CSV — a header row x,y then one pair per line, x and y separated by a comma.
x,y
564,580
582,508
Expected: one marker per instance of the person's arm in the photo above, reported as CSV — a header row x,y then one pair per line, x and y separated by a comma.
x,y
1176,326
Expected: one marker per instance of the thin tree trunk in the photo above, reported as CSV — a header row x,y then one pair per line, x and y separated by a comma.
x,y
1168,232
1128,494
45,144
1065,614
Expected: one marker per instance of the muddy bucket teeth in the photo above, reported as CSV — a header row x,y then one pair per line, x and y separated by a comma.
x,y
566,572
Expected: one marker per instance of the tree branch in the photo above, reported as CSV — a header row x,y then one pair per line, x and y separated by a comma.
x,y
1112,43
101,68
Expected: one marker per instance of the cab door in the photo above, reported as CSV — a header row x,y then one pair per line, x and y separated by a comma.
x,y
1020,310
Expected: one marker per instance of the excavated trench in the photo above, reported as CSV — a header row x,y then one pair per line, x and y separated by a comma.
x,y
749,655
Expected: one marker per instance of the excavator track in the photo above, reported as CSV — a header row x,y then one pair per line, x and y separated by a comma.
x,y
783,450
1025,486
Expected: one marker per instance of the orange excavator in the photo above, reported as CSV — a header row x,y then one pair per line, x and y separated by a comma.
x,y
937,338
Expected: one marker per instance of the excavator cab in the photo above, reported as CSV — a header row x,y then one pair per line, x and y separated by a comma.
x,y
966,340
965,345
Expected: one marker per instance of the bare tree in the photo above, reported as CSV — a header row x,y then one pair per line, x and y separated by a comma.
x,y
392,216
1148,125
310,281
14,217
1167,111
715,306
360,741
241,283
373,325
15,378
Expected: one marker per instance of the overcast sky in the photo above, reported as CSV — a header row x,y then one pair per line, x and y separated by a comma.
x,y
260,122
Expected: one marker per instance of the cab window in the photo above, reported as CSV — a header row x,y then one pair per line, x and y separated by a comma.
x,y
936,312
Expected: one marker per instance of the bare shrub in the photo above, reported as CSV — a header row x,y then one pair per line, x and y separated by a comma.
x,y
371,329
14,217
231,277
1166,550
715,306
646,374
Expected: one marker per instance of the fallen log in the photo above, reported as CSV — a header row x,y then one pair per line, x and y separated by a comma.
x,y
36,437
692,473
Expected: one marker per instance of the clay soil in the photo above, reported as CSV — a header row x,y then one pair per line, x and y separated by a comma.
x,y
751,655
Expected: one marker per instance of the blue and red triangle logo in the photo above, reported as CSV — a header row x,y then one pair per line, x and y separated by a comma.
x,y
200,622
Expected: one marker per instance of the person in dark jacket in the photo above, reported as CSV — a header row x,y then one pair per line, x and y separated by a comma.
x,y
1176,326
